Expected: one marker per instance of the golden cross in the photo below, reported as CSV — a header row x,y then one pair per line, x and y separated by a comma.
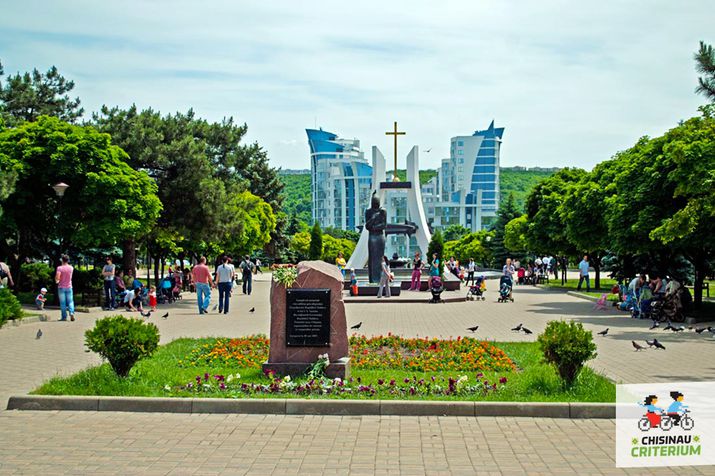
x,y
395,134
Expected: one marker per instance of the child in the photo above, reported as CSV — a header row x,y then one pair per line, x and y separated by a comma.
x,y
353,283
152,298
40,300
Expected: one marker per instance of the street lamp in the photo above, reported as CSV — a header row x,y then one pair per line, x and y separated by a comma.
x,y
60,188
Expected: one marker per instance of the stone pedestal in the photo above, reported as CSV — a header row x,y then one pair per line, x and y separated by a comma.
x,y
294,360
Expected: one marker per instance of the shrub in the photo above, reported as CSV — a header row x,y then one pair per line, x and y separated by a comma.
x,y
10,307
87,279
567,346
122,341
36,276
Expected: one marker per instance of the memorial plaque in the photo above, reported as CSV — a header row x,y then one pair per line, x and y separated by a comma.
x,y
308,317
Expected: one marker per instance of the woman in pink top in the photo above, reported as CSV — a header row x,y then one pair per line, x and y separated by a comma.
x,y
63,278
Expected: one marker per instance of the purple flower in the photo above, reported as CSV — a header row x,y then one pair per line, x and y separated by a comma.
x,y
407,380
380,381
222,386
480,375
359,380
502,380
392,382
433,379
412,390
206,376
486,383
220,378
198,380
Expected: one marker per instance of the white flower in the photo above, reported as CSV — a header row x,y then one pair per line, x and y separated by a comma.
x,y
337,381
286,378
167,388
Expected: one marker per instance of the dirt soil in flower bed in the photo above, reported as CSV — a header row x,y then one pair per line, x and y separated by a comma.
x,y
383,367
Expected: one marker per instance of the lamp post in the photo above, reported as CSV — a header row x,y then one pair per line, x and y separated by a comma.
x,y
60,189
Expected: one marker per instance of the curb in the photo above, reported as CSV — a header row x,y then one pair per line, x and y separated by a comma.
x,y
425,300
291,406
582,296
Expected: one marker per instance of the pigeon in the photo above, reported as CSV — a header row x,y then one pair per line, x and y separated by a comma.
x,y
473,329
637,346
604,332
517,328
655,343
700,330
253,309
357,326
165,315
39,334
148,314
655,324
215,307
668,327
526,331
678,329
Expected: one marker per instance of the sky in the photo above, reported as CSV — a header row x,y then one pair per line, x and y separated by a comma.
x,y
572,83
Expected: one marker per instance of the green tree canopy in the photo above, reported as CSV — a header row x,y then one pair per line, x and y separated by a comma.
x,y
107,200
705,64
315,251
515,235
27,96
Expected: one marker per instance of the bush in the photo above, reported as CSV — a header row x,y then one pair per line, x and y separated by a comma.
x,y
86,279
36,276
567,346
122,341
10,308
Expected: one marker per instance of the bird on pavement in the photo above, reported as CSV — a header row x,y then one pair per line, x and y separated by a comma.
x,y
253,309
39,334
637,346
655,343
473,329
678,329
165,315
668,327
655,324
215,307
517,328
700,330
148,314
526,331
604,332
357,326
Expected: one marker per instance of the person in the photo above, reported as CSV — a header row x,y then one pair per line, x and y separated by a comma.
x,y
416,272
634,287
127,278
63,279
339,262
538,263
385,278
433,270
136,283
203,282
583,274
676,408
520,275
258,267
649,404
5,276
224,281
471,267
136,302
129,299
508,275
185,281
110,288
453,266
353,283
40,299
657,285
152,298
246,267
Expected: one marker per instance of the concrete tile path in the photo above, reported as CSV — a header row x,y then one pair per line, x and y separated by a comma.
x,y
128,443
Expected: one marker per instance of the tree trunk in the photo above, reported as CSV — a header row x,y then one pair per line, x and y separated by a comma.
x,y
129,257
156,270
597,269
699,265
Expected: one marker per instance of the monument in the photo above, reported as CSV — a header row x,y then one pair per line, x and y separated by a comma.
x,y
308,320
376,223
415,223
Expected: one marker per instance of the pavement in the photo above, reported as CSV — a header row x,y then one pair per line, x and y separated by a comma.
x,y
138,443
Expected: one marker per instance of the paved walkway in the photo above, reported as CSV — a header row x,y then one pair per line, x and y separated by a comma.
x,y
67,442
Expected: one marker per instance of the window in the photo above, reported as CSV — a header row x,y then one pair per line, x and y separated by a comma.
x,y
460,152
460,143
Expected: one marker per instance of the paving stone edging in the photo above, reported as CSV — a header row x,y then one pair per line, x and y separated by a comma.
x,y
290,406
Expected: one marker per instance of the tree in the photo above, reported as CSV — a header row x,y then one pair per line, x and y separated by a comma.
x,y
436,246
333,246
316,242
455,232
107,201
300,244
546,232
27,96
470,246
705,64
515,235
507,212
251,226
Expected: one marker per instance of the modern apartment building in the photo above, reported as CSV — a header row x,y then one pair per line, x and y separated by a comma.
x,y
341,180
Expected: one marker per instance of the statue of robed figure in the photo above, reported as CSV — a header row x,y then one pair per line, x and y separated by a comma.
x,y
376,223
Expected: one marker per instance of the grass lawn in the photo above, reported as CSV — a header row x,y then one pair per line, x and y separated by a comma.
x,y
174,366
572,285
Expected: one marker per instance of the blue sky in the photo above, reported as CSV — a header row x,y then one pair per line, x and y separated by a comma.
x,y
572,82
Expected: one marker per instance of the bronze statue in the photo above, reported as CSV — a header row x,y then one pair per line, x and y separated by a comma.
x,y
375,222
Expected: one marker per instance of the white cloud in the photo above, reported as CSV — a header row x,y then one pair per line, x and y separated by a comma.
x,y
571,83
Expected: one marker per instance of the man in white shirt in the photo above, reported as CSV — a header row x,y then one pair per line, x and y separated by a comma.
x,y
224,281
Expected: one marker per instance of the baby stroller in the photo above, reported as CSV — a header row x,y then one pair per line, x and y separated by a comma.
x,y
436,289
505,290
670,307
476,290
166,295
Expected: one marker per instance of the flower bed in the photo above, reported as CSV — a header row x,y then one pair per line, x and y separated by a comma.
x,y
371,353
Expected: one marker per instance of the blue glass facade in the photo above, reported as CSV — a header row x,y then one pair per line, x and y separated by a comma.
x,y
340,180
